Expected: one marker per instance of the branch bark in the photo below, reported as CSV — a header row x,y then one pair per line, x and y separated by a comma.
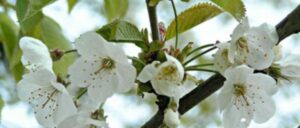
x,y
153,21
288,26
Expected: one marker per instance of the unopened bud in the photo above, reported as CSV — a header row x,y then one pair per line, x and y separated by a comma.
x,y
56,54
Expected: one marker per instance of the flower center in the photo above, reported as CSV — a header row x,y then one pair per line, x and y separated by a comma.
x,y
242,44
225,53
240,90
107,64
169,70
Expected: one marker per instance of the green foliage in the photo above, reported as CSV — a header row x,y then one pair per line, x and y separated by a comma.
x,y
32,7
47,30
122,31
235,7
115,9
71,4
1,105
192,17
9,35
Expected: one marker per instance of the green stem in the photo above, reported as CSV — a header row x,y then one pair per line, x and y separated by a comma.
x,y
176,23
199,48
70,51
201,69
83,91
199,65
202,53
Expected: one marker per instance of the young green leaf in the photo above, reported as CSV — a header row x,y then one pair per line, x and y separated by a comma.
x,y
9,35
71,4
30,8
115,9
235,7
122,31
192,17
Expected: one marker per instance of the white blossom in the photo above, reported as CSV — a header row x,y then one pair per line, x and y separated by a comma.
x,y
49,99
165,78
253,46
245,96
171,118
102,67
83,118
289,70
35,54
221,60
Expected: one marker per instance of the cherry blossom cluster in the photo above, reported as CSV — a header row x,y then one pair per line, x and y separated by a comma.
x,y
249,62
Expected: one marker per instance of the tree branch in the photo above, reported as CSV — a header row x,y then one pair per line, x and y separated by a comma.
x,y
288,26
153,21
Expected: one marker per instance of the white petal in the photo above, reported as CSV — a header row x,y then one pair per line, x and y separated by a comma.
x,y
291,70
259,58
234,118
167,88
171,118
35,54
82,71
33,81
148,72
263,35
91,45
179,66
226,95
238,74
116,53
65,108
265,82
240,29
221,60
102,87
277,50
264,106
126,75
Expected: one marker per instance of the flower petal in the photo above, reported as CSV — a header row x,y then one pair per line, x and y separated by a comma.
x,y
116,53
265,82
102,87
91,45
126,81
148,72
238,74
65,108
35,54
264,106
82,71
179,66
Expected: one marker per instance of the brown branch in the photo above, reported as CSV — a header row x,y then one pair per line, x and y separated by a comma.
x,y
153,21
288,26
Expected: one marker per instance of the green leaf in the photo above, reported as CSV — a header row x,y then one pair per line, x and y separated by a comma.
x,y
27,26
122,31
71,4
192,17
1,105
235,7
9,35
115,9
30,8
